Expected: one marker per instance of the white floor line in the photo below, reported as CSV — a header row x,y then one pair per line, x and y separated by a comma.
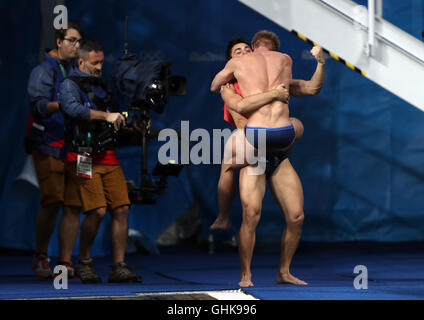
x,y
219,295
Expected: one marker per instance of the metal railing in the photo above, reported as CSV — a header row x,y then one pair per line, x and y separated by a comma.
x,y
372,34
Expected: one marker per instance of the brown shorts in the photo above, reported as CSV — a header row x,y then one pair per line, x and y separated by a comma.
x,y
51,178
72,192
106,188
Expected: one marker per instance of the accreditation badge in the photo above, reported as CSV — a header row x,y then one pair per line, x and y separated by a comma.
x,y
84,166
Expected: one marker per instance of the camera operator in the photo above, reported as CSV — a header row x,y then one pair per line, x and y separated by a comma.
x,y
85,98
44,138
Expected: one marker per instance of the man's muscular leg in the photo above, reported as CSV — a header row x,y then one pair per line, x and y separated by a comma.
x,y
227,181
236,153
287,190
298,127
226,192
252,190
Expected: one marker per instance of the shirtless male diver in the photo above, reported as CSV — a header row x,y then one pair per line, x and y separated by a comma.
x,y
263,70
227,181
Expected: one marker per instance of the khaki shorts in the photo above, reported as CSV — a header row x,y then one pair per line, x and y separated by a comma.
x,y
51,178
72,192
106,188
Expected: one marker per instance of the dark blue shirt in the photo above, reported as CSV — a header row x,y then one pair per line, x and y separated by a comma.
x,y
42,83
71,102
47,130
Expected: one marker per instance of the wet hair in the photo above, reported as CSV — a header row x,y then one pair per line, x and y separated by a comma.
x,y
87,47
267,35
61,33
232,43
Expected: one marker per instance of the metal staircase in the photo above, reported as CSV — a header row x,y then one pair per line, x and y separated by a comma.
x,y
357,36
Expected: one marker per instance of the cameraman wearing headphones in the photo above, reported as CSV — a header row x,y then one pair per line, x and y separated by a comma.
x,y
97,177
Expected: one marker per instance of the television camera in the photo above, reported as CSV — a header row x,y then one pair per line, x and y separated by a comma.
x,y
145,86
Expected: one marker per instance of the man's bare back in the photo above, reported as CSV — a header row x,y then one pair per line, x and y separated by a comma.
x,y
258,72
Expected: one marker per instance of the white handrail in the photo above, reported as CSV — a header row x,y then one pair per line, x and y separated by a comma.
x,y
383,32
341,27
379,9
371,29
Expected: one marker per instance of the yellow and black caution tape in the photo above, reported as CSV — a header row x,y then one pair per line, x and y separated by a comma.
x,y
331,54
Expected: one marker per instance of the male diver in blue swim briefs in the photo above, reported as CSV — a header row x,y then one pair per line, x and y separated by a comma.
x,y
260,71
277,142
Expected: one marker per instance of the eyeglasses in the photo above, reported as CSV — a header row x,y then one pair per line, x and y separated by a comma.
x,y
73,41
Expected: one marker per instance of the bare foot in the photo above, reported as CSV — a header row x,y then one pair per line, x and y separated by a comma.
x,y
220,224
245,283
288,278
245,280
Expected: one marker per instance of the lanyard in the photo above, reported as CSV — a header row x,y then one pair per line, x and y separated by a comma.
x,y
63,70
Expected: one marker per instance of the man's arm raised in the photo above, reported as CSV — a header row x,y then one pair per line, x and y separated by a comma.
x,y
314,85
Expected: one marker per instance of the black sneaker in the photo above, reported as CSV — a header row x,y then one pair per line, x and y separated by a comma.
x,y
84,270
121,272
